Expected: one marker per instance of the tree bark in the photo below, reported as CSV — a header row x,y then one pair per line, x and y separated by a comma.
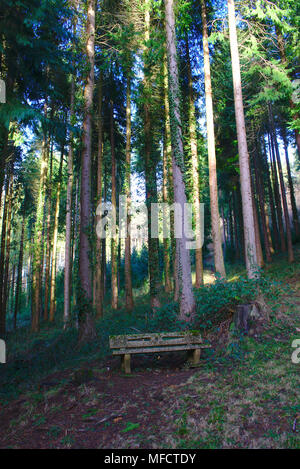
x,y
283,192
54,243
212,165
248,214
86,321
195,169
128,279
98,286
114,239
19,273
186,297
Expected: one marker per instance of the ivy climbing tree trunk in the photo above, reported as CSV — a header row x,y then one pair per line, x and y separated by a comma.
x,y
114,239
186,296
86,321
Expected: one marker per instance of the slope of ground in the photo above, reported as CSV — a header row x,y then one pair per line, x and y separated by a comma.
x,y
244,395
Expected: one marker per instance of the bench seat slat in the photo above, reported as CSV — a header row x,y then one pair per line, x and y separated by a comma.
x,y
153,349
139,340
150,343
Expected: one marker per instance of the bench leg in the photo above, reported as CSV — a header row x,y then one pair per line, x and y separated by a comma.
x,y
194,356
125,363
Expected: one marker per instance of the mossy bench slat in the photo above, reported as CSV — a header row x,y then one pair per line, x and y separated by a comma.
x,y
125,345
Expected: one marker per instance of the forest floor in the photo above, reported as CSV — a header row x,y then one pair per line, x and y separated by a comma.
x,y
249,399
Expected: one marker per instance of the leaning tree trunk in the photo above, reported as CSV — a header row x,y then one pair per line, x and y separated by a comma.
x,y
248,214
186,296
86,321
212,165
277,193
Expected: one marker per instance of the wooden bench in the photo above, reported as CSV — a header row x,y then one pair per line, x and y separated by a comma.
x,y
125,345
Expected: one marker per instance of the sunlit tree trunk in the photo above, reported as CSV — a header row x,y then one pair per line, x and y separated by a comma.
x,y
248,214
186,296
54,243
276,190
5,258
213,182
38,232
48,242
19,271
128,279
292,190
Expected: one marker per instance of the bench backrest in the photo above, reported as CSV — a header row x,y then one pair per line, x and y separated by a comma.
x,y
142,341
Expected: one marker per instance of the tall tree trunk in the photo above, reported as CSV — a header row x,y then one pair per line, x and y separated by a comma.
x,y
54,243
248,214
166,241
98,299
114,239
7,228
213,182
150,173
48,243
261,199
266,170
277,193
186,296
2,253
19,273
68,241
86,321
168,190
128,279
38,233
195,170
